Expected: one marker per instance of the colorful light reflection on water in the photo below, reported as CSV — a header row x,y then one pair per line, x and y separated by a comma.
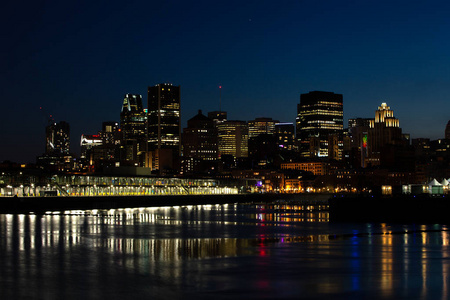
x,y
225,251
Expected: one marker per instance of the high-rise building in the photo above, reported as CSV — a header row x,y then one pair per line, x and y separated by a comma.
x,y
110,135
386,143
320,125
89,144
285,135
384,129
233,138
132,125
57,148
218,116
164,124
261,126
199,141
57,139
358,130
164,116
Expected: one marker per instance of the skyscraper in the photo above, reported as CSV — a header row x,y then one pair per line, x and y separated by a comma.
x,y
57,137
320,125
261,126
384,130
200,138
164,123
284,133
132,124
233,138
199,144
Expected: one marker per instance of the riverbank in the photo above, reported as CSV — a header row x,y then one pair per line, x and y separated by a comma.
x,y
43,204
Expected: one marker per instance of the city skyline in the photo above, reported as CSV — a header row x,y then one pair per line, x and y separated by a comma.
x,y
78,62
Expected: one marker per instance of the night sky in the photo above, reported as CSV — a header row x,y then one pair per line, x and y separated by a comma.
x,y
77,59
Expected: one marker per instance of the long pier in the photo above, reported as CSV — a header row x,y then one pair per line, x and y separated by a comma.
x,y
43,204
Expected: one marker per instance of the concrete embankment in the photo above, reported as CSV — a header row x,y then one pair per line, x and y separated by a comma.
x,y
43,204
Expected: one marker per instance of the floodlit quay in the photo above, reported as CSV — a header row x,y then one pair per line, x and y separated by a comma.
x,y
82,185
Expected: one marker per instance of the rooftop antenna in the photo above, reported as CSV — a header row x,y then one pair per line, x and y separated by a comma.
x,y
220,98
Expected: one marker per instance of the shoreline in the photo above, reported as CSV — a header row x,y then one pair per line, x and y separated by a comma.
x,y
43,204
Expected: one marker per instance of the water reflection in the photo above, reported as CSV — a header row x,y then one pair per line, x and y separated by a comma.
x,y
271,251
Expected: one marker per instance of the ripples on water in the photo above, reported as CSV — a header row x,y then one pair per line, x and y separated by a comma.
x,y
224,251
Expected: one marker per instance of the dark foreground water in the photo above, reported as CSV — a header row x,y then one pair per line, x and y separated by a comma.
x,y
218,252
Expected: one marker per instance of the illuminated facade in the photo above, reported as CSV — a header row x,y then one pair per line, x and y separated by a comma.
x,y
384,130
164,116
87,143
233,138
110,135
57,139
320,125
358,129
164,124
285,135
317,168
199,141
132,124
261,126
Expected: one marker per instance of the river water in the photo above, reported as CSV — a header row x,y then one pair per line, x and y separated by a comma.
x,y
219,251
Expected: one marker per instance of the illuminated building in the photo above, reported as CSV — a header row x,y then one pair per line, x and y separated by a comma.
x,y
358,129
89,144
233,138
164,124
110,135
57,148
199,141
132,124
320,125
57,139
383,130
218,116
261,126
285,135
317,168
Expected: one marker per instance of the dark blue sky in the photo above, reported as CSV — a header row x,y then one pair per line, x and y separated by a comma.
x,y
78,58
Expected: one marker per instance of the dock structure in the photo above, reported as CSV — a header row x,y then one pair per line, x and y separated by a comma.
x,y
88,185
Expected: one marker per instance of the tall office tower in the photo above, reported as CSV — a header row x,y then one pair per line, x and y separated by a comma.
x,y
447,131
57,137
218,116
320,125
261,126
164,116
285,135
358,130
383,130
233,138
90,143
200,138
110,135
164,125
132,123
199,141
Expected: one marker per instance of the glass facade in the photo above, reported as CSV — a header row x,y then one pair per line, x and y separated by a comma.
x,y
320,125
